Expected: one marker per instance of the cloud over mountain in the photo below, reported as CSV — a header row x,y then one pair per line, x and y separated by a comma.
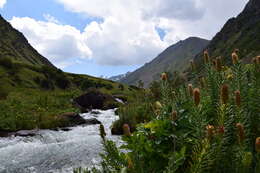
x,y
126,33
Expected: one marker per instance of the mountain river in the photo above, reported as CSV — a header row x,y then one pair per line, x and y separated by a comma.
x,y
56,151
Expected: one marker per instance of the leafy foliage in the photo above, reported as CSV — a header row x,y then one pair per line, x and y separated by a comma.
x,y
212,128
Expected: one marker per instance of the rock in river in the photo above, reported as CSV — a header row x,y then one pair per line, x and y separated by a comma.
x,y
95,99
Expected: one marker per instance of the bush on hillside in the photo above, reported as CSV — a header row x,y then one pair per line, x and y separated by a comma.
x,y
86,84
121,87
62,81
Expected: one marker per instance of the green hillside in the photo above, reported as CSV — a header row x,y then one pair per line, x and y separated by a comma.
x,y
15,46
33,92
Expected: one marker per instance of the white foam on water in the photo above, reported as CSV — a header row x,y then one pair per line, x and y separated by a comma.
x,y
56,151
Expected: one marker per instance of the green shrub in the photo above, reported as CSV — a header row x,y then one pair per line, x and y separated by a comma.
x,y
132,114
86,84
211,125
109,86
62,81
121,87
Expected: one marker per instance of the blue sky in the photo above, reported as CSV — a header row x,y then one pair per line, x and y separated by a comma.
x,y
110,37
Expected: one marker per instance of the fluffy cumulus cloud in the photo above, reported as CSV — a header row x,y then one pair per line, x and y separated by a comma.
x,y
2,3
127,33
60,43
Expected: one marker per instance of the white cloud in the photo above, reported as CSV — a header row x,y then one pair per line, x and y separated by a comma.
x,y
127,34
59,43
2,3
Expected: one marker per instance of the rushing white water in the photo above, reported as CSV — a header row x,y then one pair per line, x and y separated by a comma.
x,y
55,151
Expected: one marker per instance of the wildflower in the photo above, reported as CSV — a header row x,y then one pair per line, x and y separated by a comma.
x,y
126,130
158,105
102,131
210,131
196,96
235,58
192,64
238,98
224,94
190,89
218,64
206,57
257,144
174,115
241,131
164,76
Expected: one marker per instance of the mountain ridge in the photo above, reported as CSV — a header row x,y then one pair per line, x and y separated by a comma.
x,y
173,58
15,46
241,32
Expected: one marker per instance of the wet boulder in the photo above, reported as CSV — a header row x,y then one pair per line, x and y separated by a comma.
x,y
95,99
74,119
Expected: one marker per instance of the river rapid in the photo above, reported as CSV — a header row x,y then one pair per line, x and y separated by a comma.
x,y
56,151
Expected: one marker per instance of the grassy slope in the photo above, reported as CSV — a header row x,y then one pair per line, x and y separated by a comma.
x,y
15,46
32,91
33,96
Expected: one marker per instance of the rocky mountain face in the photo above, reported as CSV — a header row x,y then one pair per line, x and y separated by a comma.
x,y
15,46
174,58
241,32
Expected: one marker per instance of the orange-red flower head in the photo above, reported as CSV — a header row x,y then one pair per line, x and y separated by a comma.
x,y
238,98
196,96
126,130
235,58
206,57
224,94
164,76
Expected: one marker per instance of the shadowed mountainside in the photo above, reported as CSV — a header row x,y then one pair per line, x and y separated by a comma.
x,y
241,32
174,58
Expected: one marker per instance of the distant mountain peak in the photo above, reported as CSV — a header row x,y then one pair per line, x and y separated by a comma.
x,y
174,58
